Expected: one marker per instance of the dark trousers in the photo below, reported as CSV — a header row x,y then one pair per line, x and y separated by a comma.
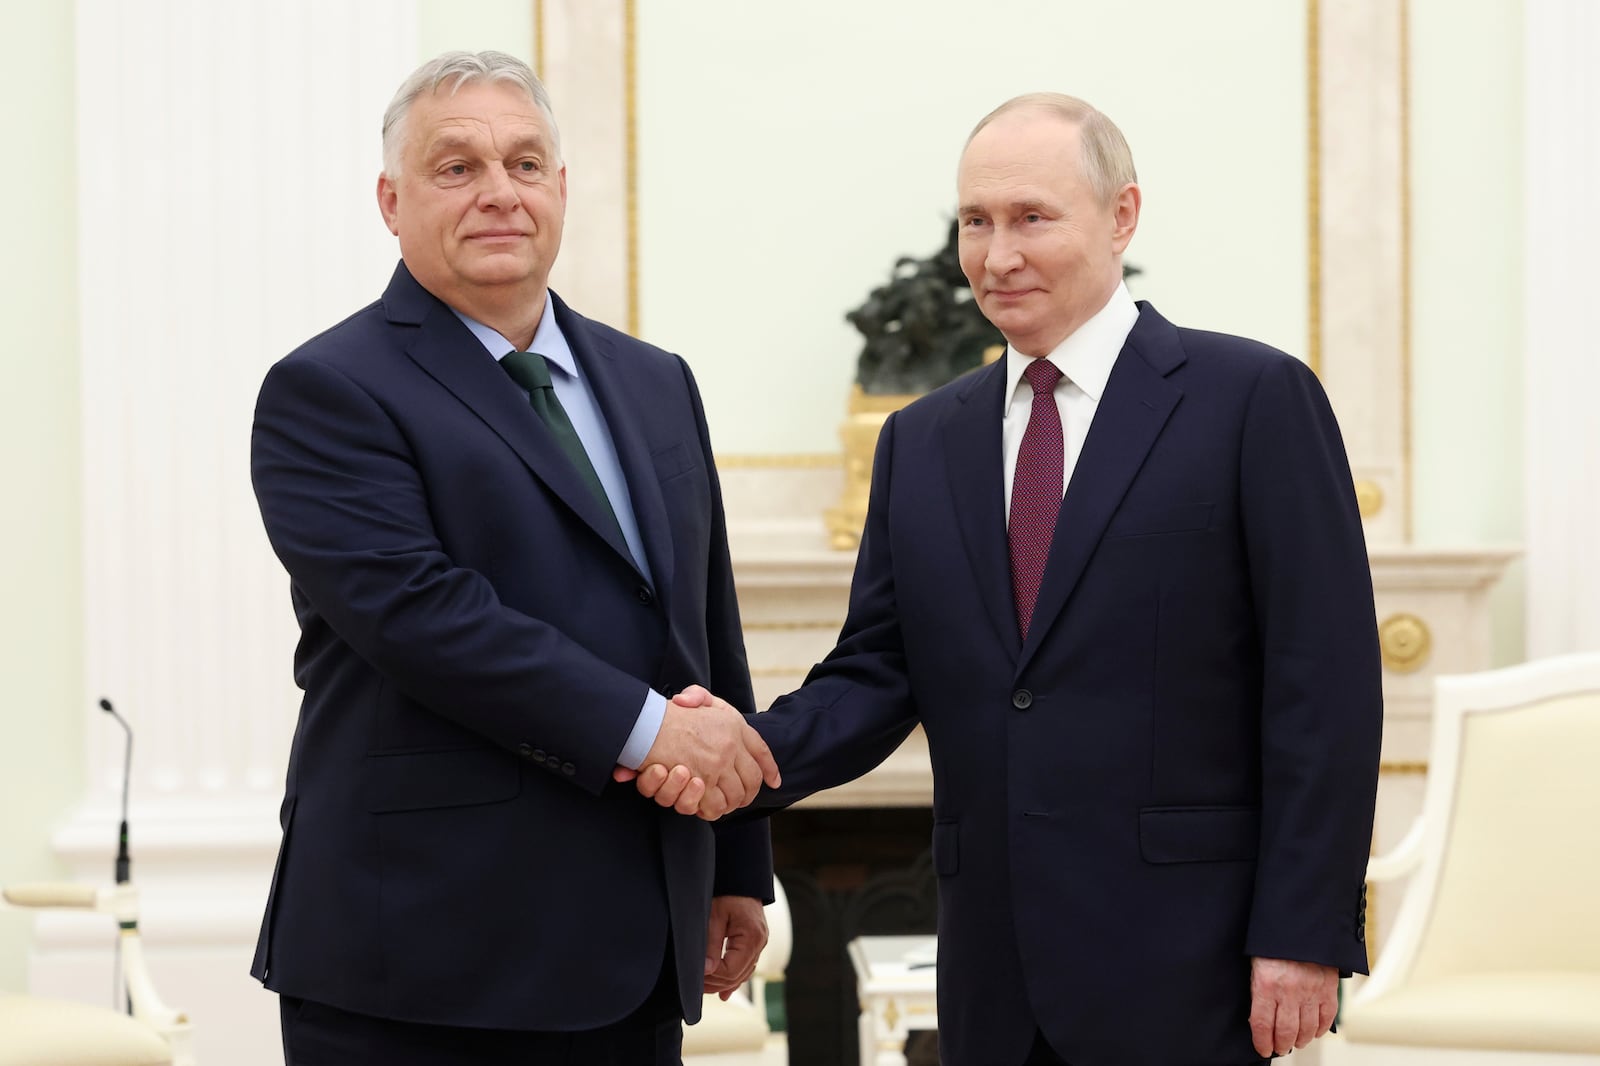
x,y
1042,1054
315,1034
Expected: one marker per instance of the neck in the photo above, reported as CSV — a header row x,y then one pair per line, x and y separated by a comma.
x,y
515,320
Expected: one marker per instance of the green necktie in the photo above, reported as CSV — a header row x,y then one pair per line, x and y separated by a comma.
x,y
528,369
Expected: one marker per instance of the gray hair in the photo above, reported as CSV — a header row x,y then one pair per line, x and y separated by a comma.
x,y
1107,159
451,71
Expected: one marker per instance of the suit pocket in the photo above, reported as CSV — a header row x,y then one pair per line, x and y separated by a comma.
x,y
673,461
417,780
946,848
1199,834
1185,518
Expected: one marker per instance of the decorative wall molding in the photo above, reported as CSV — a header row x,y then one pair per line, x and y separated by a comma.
x,y
226,213
1360,343
1561,119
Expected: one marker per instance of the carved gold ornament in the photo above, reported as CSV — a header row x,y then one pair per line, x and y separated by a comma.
x,y
1405,642
1369,498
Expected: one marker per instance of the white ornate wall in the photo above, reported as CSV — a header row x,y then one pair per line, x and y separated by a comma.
x,y
226,213
1562,170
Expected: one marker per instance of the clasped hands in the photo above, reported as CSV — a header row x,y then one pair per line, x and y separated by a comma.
x,y
717,762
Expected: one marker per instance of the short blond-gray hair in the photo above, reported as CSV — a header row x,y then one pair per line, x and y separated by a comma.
x,y
1107,159
451,71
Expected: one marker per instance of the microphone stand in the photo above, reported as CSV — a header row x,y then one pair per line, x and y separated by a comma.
x,y
124,864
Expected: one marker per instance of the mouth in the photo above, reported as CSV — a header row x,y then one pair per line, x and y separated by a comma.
x,y
497,235
1009,295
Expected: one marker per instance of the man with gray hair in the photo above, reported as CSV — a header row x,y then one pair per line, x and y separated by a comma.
x,y
507,550
1119,578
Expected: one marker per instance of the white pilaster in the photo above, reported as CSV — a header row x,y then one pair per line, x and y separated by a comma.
x,y
228,155
1562,151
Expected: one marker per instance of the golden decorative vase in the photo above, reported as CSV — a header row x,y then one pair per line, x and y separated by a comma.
x,y
864,417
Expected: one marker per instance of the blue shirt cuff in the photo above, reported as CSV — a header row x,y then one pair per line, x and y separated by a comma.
x,y
643,737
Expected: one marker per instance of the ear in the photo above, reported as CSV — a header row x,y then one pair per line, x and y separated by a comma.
x,y
389,203
1124,216
562,174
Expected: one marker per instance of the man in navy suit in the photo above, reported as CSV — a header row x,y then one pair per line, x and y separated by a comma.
x,y
1119,578
501,572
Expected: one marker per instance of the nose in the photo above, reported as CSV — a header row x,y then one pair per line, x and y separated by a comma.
x,y
496,190
1004,253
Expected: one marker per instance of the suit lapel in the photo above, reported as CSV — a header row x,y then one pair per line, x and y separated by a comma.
x,y
620,401
448,352
1137,403
975,465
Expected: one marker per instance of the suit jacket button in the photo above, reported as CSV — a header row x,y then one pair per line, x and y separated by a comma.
x,y
525,750
539,755
568,769
1022,699
646,597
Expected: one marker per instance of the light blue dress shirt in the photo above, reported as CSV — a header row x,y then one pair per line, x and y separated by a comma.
x,y
577,399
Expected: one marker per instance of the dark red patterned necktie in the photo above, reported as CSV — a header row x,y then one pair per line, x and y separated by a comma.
x,y
1036,490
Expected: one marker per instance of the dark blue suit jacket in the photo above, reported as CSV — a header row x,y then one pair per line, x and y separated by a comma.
x,y
476,645
1176,771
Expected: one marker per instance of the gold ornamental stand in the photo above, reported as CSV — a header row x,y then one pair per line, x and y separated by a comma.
x,y
864,417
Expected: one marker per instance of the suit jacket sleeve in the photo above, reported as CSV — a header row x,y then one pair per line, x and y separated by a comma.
x,y
855,707
1322,703
347,512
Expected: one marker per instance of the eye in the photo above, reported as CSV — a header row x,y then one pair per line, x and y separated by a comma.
x,y
1033,216
456,169
973,222
528,166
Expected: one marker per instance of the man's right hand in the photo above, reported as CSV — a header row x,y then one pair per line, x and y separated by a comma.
x,y
718,761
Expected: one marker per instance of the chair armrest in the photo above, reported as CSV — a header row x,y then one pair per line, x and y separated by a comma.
x,y
53,894
1402,860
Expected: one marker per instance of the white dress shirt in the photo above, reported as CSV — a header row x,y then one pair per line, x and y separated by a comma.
x,y
1085,359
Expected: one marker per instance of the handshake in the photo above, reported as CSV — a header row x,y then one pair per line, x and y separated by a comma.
x,y
706,760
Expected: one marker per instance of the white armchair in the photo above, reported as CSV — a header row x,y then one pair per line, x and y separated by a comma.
x,y
734,1032
1494,956
48,1032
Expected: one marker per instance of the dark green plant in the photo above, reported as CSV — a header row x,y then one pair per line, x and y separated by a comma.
x,y
923,328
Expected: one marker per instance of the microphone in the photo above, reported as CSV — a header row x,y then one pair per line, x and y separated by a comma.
x,y
123,862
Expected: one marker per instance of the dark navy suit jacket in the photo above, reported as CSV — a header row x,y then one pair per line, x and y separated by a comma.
x,y
476,645
1176,771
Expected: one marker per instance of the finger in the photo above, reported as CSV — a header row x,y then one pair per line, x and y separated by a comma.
x,y
648,781
622,774
693,696
1327,1011
733,790
713,804
657,783
749,772
1285,1028
739,957
1308,1023
763,756
1261,1019
691,797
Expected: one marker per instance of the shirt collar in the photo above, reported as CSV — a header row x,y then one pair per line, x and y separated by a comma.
x,y
1086,357
548,340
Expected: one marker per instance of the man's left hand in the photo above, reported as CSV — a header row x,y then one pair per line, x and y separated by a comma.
x,y
1291,1003
735,938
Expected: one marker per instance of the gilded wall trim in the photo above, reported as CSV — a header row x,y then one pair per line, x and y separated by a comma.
x,y
630,132
1314,186
538,38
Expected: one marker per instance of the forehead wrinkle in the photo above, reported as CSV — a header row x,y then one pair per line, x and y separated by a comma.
x,y
474,134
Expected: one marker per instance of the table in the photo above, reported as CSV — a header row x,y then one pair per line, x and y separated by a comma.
x,y
896,995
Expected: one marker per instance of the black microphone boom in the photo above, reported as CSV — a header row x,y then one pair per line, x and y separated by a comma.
x,y
123,862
